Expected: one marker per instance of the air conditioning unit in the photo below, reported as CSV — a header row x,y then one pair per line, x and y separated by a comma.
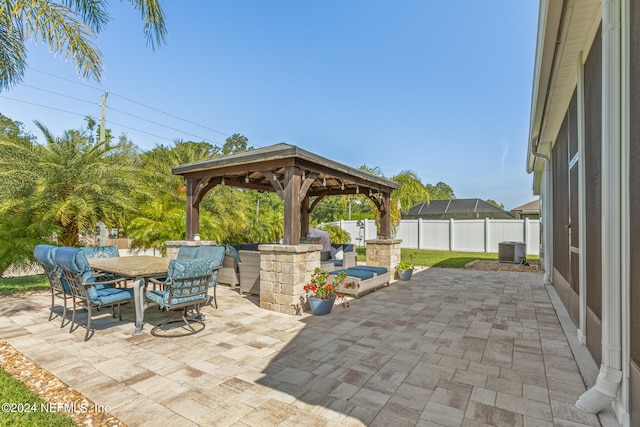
x,y
513,252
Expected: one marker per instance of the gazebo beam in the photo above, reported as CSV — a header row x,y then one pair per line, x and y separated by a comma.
x,y
292,205
193,208
304,216
385,217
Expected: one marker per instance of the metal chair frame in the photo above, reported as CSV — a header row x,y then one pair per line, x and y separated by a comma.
x,y
187,287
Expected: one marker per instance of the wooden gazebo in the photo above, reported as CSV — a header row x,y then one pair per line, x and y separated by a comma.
x,y
299,177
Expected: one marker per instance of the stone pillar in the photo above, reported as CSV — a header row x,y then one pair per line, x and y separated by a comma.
x,y
173,246
284,270
384,253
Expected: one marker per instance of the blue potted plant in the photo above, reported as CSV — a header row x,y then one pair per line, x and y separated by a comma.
x,y
322,293
405,270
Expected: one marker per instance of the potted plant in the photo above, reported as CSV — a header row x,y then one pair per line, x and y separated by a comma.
x,y
322,293
405,270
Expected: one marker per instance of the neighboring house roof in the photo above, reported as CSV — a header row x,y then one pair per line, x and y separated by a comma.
x,y
530,207
457,209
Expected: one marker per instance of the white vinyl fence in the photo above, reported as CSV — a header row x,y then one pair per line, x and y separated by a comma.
x,y
469,235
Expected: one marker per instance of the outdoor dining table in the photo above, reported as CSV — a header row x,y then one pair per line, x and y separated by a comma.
x,y
140,269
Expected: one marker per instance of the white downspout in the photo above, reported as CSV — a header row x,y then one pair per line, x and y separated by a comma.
x,y
608,382
582,209
547,222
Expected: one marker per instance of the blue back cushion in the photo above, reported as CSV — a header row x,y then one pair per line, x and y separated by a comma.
x,y
185,268
215,252
74,261
109,251
44,255
187,252
182,269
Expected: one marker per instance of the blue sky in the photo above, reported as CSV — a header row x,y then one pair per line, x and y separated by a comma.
x,y
438,87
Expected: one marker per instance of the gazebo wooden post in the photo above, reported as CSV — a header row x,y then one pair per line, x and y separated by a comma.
x,y
385,217
193,209
291,205
304,216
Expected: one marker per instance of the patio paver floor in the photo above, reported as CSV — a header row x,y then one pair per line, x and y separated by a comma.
x,y
450,347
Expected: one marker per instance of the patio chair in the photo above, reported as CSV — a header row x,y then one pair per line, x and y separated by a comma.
x,y
86,292
109,251
184,290
44,256
215,253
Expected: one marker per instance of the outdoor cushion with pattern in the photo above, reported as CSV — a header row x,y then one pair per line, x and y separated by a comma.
x,y
109,251
216,253
177,284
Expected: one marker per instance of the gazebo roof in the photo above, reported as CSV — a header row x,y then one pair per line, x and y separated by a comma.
x,y
256,168
294,174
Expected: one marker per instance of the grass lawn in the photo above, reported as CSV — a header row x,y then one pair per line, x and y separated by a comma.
x,y
447,259
12,285
25,407
21,407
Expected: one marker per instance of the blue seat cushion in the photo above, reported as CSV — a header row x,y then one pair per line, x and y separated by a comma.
x,y
371,268
360,274
163,299
106,296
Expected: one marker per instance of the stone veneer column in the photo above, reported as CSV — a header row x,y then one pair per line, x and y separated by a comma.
x,y
384,253
284,270
173,246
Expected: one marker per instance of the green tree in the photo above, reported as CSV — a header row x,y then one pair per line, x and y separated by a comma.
x,y
14,130
496,204
266,222
224,211
19,231
394,213
69,28
336,234
62,187
411,190
235,143
440,191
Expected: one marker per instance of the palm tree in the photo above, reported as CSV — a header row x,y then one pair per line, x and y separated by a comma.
x,y
411,190
224,212
394,211
69,28
65,186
